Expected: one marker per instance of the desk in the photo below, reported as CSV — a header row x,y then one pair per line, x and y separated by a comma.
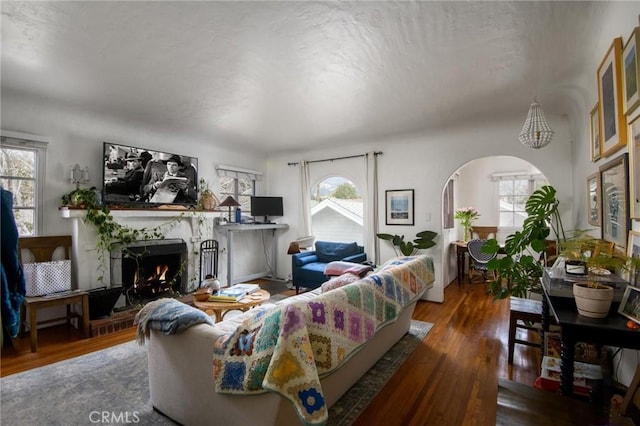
x,y
461,251
610,331
233,228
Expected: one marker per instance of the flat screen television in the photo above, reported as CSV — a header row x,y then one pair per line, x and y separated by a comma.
x,y
266,207
134,176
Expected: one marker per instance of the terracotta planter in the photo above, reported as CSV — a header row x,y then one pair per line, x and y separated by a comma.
x,y
208,201
593,302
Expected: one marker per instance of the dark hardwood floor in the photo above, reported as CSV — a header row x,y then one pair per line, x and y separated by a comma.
x,y
450,379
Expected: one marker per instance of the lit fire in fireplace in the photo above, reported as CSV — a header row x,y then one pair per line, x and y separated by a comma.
x,y
154,283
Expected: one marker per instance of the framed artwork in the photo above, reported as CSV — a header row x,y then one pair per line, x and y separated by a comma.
x,y
634,167
447,206
400,208
614,187
613,129
595,132
630,304
633,251
593,199
630,73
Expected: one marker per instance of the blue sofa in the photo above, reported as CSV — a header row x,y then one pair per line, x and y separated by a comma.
x,y
308,266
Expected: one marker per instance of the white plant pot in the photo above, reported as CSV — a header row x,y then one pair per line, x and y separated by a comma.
x,y
593,302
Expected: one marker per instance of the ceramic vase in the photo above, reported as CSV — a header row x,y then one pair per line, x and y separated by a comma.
x,y
593,300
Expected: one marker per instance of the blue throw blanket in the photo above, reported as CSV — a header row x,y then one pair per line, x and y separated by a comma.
x,y
169,316
13,284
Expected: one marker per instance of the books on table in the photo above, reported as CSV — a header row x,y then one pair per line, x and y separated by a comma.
x,y
234,293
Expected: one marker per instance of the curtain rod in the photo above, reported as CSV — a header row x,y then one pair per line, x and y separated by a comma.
x,y
376,153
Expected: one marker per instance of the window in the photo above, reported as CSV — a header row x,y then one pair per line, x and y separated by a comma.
x,y
22,167
513,193
337,211
238,183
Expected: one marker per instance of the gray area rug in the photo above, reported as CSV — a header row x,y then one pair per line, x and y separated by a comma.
x,y
114,383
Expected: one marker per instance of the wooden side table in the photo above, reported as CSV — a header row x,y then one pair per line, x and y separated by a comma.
x,y
220,309
36,303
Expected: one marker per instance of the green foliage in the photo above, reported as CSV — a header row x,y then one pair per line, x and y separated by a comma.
x,y
109,232
423,240
519,270
345,191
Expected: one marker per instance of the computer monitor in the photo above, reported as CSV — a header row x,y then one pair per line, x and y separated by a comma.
x,y
266,207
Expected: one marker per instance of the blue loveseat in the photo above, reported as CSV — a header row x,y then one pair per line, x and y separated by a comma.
x,y
308,266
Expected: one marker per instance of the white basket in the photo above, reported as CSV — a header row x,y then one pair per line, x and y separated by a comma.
x,y
47,277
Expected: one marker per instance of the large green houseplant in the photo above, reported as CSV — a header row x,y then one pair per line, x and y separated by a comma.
x,y
519,270
423,240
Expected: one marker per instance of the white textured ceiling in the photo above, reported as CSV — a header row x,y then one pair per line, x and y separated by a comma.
x,y
281,75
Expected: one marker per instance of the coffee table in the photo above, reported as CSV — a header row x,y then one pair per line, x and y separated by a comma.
x,y
220,309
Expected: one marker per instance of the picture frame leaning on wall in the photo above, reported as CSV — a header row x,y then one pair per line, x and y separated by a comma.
x,y
614,187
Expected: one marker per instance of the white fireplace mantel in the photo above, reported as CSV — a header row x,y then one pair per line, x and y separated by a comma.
x,y
192,227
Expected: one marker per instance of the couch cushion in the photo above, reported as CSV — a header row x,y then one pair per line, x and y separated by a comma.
x,y
329,251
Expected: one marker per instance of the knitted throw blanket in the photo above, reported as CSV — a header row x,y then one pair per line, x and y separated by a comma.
x,y
288,348
169,316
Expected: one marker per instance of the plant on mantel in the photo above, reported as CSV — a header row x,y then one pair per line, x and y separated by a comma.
x,y
109,232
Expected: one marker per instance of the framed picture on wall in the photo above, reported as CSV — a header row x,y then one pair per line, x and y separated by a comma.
x,y
614,184
447,206
399,203
613,129
595,133
593,199
634,167
631,73
633,251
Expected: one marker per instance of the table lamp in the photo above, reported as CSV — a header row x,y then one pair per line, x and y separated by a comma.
x,y
229,202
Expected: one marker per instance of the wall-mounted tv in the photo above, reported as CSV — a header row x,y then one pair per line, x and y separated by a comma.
x,y
139,176
266,207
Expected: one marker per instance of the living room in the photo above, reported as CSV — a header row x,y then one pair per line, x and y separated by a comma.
x,y
247,88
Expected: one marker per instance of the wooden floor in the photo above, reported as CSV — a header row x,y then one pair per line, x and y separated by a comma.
x,y
451,379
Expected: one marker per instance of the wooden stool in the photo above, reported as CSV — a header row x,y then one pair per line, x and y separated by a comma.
x,y
36,303
521,312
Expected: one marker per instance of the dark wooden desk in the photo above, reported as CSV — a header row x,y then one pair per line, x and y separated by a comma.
x,y
461,251
611,331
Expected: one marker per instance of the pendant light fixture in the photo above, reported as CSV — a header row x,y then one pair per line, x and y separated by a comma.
x,y
536,132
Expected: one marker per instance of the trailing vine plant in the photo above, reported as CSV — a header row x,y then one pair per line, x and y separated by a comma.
x,y
109,232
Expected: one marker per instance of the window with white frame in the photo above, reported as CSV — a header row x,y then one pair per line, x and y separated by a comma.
x,y
513,192
22,170
238,183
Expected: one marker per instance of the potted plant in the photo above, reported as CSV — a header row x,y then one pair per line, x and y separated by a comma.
x,y
466,216
423,240
519,270
208,200
80,197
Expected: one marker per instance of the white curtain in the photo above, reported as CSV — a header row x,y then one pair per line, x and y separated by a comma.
x,y
371,242
305,194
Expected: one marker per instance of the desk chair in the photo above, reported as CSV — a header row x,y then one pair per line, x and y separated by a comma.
x,y
42,249
478,260
484,232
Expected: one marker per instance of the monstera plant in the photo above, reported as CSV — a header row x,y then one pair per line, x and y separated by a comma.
x,y
423,240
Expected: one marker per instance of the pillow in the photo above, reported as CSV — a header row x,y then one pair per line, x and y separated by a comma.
x,y
329,251
338,267
337,282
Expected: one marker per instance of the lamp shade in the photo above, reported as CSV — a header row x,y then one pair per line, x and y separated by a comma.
x,y
293,248
536,131
229,202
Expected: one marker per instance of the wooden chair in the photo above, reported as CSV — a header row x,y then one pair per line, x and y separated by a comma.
x,y
522,313
42,249
484,232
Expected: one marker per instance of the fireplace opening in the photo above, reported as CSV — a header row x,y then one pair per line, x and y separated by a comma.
x,y
149,270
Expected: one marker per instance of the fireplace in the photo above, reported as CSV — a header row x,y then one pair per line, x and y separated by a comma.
x,y
151,269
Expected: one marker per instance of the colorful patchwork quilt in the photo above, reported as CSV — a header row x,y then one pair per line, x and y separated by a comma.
x,y
289,347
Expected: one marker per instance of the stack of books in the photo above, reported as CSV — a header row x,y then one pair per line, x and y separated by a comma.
x,y
234,293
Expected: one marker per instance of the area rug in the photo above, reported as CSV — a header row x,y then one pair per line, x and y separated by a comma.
x,y
114,383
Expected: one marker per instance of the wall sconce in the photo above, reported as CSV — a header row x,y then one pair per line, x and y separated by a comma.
x,y
78,175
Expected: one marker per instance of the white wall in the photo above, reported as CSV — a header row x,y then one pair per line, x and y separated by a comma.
x,y
77,136
425,163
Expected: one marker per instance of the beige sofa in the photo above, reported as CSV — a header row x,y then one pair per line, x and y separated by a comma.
x,y
181,365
